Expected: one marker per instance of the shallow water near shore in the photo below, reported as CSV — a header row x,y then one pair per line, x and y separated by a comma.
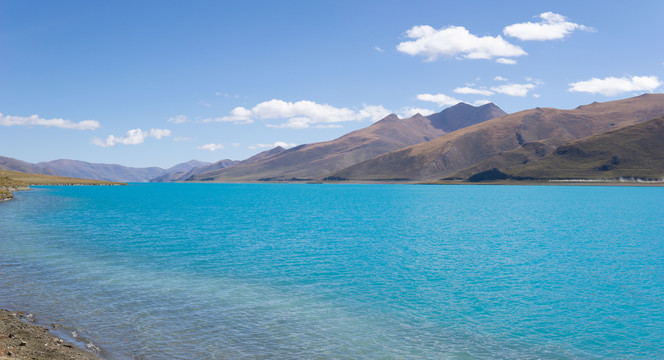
x,y
290,271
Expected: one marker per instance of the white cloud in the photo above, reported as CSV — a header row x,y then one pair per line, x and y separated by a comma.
x,y
536,96
210,147
204,103
506,61
409,111
133,137
481,102
35,120
456,41
469,90
500,78
328,126
178,119
513,89
182,138
377,48
301,114
611,86
283,144
235,144
440,99
552,26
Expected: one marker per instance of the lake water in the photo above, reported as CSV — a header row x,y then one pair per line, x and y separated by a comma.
x,y
276,271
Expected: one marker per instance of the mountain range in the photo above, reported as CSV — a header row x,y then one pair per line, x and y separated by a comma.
x,y
462,142
318,160
503,142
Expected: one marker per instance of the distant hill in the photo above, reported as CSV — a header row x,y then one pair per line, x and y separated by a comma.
x,y
86,170
110,172
635,151
186,166
171,176
7,163
317,160
532,133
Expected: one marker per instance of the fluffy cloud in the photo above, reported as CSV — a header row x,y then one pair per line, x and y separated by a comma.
x,y
178,119
552,26
611,86
499,78
283,144
210,147
469,90
514,89
302,114
35,120
456,41
409,111
440,99
133,137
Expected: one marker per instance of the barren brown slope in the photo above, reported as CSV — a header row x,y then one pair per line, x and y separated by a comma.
x,y
635,151
463,148
315,161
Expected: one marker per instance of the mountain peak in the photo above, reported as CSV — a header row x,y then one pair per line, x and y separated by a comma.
x,y
462,115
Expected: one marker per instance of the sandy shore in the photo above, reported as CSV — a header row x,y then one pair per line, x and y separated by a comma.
x,y
21,340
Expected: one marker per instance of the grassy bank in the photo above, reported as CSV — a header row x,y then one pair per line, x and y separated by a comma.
x,y
14,180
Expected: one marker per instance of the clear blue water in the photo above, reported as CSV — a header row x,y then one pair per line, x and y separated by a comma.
x,y
247,271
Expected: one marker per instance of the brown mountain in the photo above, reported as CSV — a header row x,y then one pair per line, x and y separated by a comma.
x,y
317,160
7,163
635,151
533,133
182,171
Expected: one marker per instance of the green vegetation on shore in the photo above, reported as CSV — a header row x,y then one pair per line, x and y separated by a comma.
x,y
14,180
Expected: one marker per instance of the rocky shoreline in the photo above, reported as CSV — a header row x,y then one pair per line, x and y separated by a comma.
x,y
19,339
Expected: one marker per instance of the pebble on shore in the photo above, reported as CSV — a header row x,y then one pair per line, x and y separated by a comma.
x,y
21,340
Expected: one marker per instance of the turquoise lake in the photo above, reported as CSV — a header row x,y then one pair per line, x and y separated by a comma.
x,y
291,271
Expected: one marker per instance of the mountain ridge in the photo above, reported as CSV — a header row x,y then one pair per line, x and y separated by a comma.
x,y
468,146
317,160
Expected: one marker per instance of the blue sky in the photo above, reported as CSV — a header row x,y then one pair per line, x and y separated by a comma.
x,y
156,83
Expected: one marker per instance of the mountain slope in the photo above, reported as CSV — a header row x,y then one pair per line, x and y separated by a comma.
x,y
466,147
172,174
7,163
317,160
635,151
110,172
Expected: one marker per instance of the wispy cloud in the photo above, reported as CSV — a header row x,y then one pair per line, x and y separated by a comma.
x,y
211,147
469,90
301,114
283,144
182,138
409,111
35,120
133,137
611,86
514,89
377,48
226,95
456,41
178,119
440,99
506,61
552,26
